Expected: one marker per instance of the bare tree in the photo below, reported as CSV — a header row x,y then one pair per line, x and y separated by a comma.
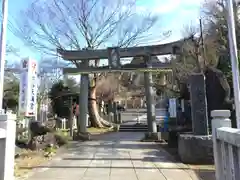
x,y
197,53
77,24
109,86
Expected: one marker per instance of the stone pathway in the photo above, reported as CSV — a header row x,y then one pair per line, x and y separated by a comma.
x,y
114,156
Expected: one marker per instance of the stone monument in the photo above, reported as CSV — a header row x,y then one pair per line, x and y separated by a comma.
x,y
198,104
218,91
190,143
217,94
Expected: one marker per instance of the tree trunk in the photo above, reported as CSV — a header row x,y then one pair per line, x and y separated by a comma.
x,y
95,119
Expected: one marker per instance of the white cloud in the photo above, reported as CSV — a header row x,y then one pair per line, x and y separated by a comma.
x,y
175,15
160,7
167,6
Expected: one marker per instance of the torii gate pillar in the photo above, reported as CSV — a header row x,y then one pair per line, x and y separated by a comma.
x,y
151,117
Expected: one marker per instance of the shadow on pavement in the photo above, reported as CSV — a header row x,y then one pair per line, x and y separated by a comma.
x,y
123,146
97,167
205,174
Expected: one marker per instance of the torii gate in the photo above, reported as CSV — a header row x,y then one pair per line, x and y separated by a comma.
x,y
114,55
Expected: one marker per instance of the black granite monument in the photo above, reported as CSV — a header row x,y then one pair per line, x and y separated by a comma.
x,y
198,104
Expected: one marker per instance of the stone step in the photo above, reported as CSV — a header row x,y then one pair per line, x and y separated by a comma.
x,y
134,128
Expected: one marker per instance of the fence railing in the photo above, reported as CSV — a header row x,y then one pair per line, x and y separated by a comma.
x,y
226,146
7,145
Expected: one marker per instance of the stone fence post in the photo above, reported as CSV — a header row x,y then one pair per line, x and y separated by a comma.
x,y
220,118
7,146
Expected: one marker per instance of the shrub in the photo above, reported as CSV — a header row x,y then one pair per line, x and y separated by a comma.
x,y
61,137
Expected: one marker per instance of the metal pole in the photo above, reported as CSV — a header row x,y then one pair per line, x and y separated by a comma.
x,y
3,47
234,58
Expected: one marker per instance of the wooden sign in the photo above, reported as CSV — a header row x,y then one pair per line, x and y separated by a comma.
x,y
114,57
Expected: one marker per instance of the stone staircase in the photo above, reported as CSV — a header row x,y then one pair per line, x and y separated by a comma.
x,y
134,128
139,123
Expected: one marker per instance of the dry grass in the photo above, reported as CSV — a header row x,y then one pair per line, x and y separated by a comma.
x,y
27,160
202,167
93,130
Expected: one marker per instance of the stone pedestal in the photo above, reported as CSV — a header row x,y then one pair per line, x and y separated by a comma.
x,y
81,136
174,133
195,149
116,127
150,136
163,136
7,146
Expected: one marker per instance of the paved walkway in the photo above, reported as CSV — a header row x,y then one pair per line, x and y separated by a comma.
x,y
114,156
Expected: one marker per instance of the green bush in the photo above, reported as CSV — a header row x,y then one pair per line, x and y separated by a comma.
x,y
61,137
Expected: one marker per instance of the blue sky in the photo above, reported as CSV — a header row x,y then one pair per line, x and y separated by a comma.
x,y
174,14
14,9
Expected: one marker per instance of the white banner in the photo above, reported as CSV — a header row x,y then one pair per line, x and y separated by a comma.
x,y
172,107
23,92
28,88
